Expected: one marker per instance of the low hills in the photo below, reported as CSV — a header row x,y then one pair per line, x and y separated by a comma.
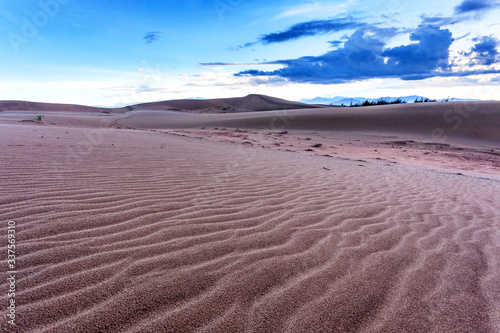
x,y
248,103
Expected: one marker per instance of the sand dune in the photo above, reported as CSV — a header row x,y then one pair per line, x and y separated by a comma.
x,y
122,230
54,107
435,121
220,105
251,102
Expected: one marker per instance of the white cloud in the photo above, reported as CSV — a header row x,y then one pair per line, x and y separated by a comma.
x,y
316,9
148,70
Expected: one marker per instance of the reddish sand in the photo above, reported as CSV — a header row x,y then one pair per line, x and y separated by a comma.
x,y
158,221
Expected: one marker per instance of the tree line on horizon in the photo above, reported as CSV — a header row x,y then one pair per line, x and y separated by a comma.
x,y
383,101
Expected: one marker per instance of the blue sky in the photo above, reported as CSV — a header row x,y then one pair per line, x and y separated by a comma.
x,y
123,52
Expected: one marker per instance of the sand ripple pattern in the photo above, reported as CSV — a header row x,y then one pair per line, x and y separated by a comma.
x,y
156,233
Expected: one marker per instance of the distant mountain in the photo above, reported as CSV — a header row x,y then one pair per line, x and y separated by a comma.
x,y
340,100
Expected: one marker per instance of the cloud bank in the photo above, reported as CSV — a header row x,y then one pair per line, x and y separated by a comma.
x,y
365,53
364,56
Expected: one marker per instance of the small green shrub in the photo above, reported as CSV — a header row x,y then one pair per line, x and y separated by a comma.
x,y
37,117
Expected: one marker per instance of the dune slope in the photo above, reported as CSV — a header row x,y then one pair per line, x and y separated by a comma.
x,y
433,122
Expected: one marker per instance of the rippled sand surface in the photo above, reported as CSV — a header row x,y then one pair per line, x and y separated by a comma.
x,y
141,231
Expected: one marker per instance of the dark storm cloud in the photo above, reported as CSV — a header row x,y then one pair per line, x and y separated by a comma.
x,y
364,56
485,50
469,6
311,28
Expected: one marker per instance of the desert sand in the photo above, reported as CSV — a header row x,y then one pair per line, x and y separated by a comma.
x,y
150,219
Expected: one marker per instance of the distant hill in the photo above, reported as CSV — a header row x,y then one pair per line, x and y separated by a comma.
x,y
221,105
340,100
40,107
251,102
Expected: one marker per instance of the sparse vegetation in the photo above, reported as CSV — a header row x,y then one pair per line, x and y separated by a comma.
x,y
424,100
37,117
379,102
225,108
